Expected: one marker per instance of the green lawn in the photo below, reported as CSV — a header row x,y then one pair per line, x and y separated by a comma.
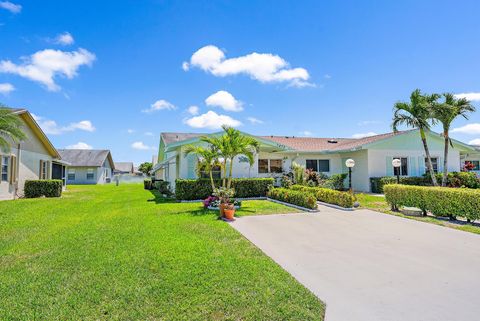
x,y
121,253
378,203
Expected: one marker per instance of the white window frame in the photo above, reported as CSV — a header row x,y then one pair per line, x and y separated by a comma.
x,y
432,158
400,168
269,169
71,171
5,163
317,160
91,172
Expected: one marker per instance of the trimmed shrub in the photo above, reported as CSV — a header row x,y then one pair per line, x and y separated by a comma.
x,y
147,183
163,187
337,180
47,188
440,201
378,183
298,198
343,199
195,189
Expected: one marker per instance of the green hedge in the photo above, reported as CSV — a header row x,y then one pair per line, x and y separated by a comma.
x,y
47,188
343,199
377,183
299,198
454,179
147,183
440,201
195,189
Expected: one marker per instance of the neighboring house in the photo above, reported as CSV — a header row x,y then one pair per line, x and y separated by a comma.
x,y
88,166
123,168
32,159
373,156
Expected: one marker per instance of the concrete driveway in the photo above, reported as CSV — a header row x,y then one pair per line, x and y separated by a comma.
x,y
371,266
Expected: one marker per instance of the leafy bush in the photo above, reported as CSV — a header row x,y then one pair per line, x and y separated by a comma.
x,y
147,184
378,183
194,189
163,187
336,181
343,199
287,180
47,188
440,201
298,198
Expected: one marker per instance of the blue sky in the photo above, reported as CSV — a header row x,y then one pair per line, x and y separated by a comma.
x,y
114,74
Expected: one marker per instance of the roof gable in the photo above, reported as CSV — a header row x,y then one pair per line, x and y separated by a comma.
x,y
86,157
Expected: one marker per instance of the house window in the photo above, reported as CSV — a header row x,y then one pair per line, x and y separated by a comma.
x,y
475,163
434,164
263,166
5,161
318,165
403,169
90,173
216,173
270,166
43,169
71,174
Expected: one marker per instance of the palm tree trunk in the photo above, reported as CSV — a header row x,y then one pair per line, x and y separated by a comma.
x,y
445,159
211,180
429,159
224,173
230,174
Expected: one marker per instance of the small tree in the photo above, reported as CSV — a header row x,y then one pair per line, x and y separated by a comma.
x,y
446,112
416,114
10,128
207,159
145,167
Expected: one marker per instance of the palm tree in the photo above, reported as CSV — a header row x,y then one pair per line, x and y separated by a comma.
x,y
446,112
416,114
232,144
208,159
10,128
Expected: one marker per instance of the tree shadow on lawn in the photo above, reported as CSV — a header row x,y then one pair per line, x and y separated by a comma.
x,y
159,199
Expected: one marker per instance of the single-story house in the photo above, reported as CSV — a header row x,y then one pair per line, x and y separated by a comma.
x,y
373,156
31,159
88,166
123,168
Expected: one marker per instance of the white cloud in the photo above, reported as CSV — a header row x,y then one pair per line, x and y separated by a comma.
x,y
469,96
472,129
306,133
43,66
212,120
264,67
363,135
185,66
6,88
50,127
64,39
149,134
12,7
159,105
475,142
254,120
327,76
80,145
224,100
368,122
130,131
193,110
141,146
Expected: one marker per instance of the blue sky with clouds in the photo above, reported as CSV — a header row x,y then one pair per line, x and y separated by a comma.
x,y
114,74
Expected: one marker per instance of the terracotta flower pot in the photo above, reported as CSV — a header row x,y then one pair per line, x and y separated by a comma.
x,y
229,213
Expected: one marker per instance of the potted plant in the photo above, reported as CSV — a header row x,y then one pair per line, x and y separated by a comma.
x,y
229,211
224,194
